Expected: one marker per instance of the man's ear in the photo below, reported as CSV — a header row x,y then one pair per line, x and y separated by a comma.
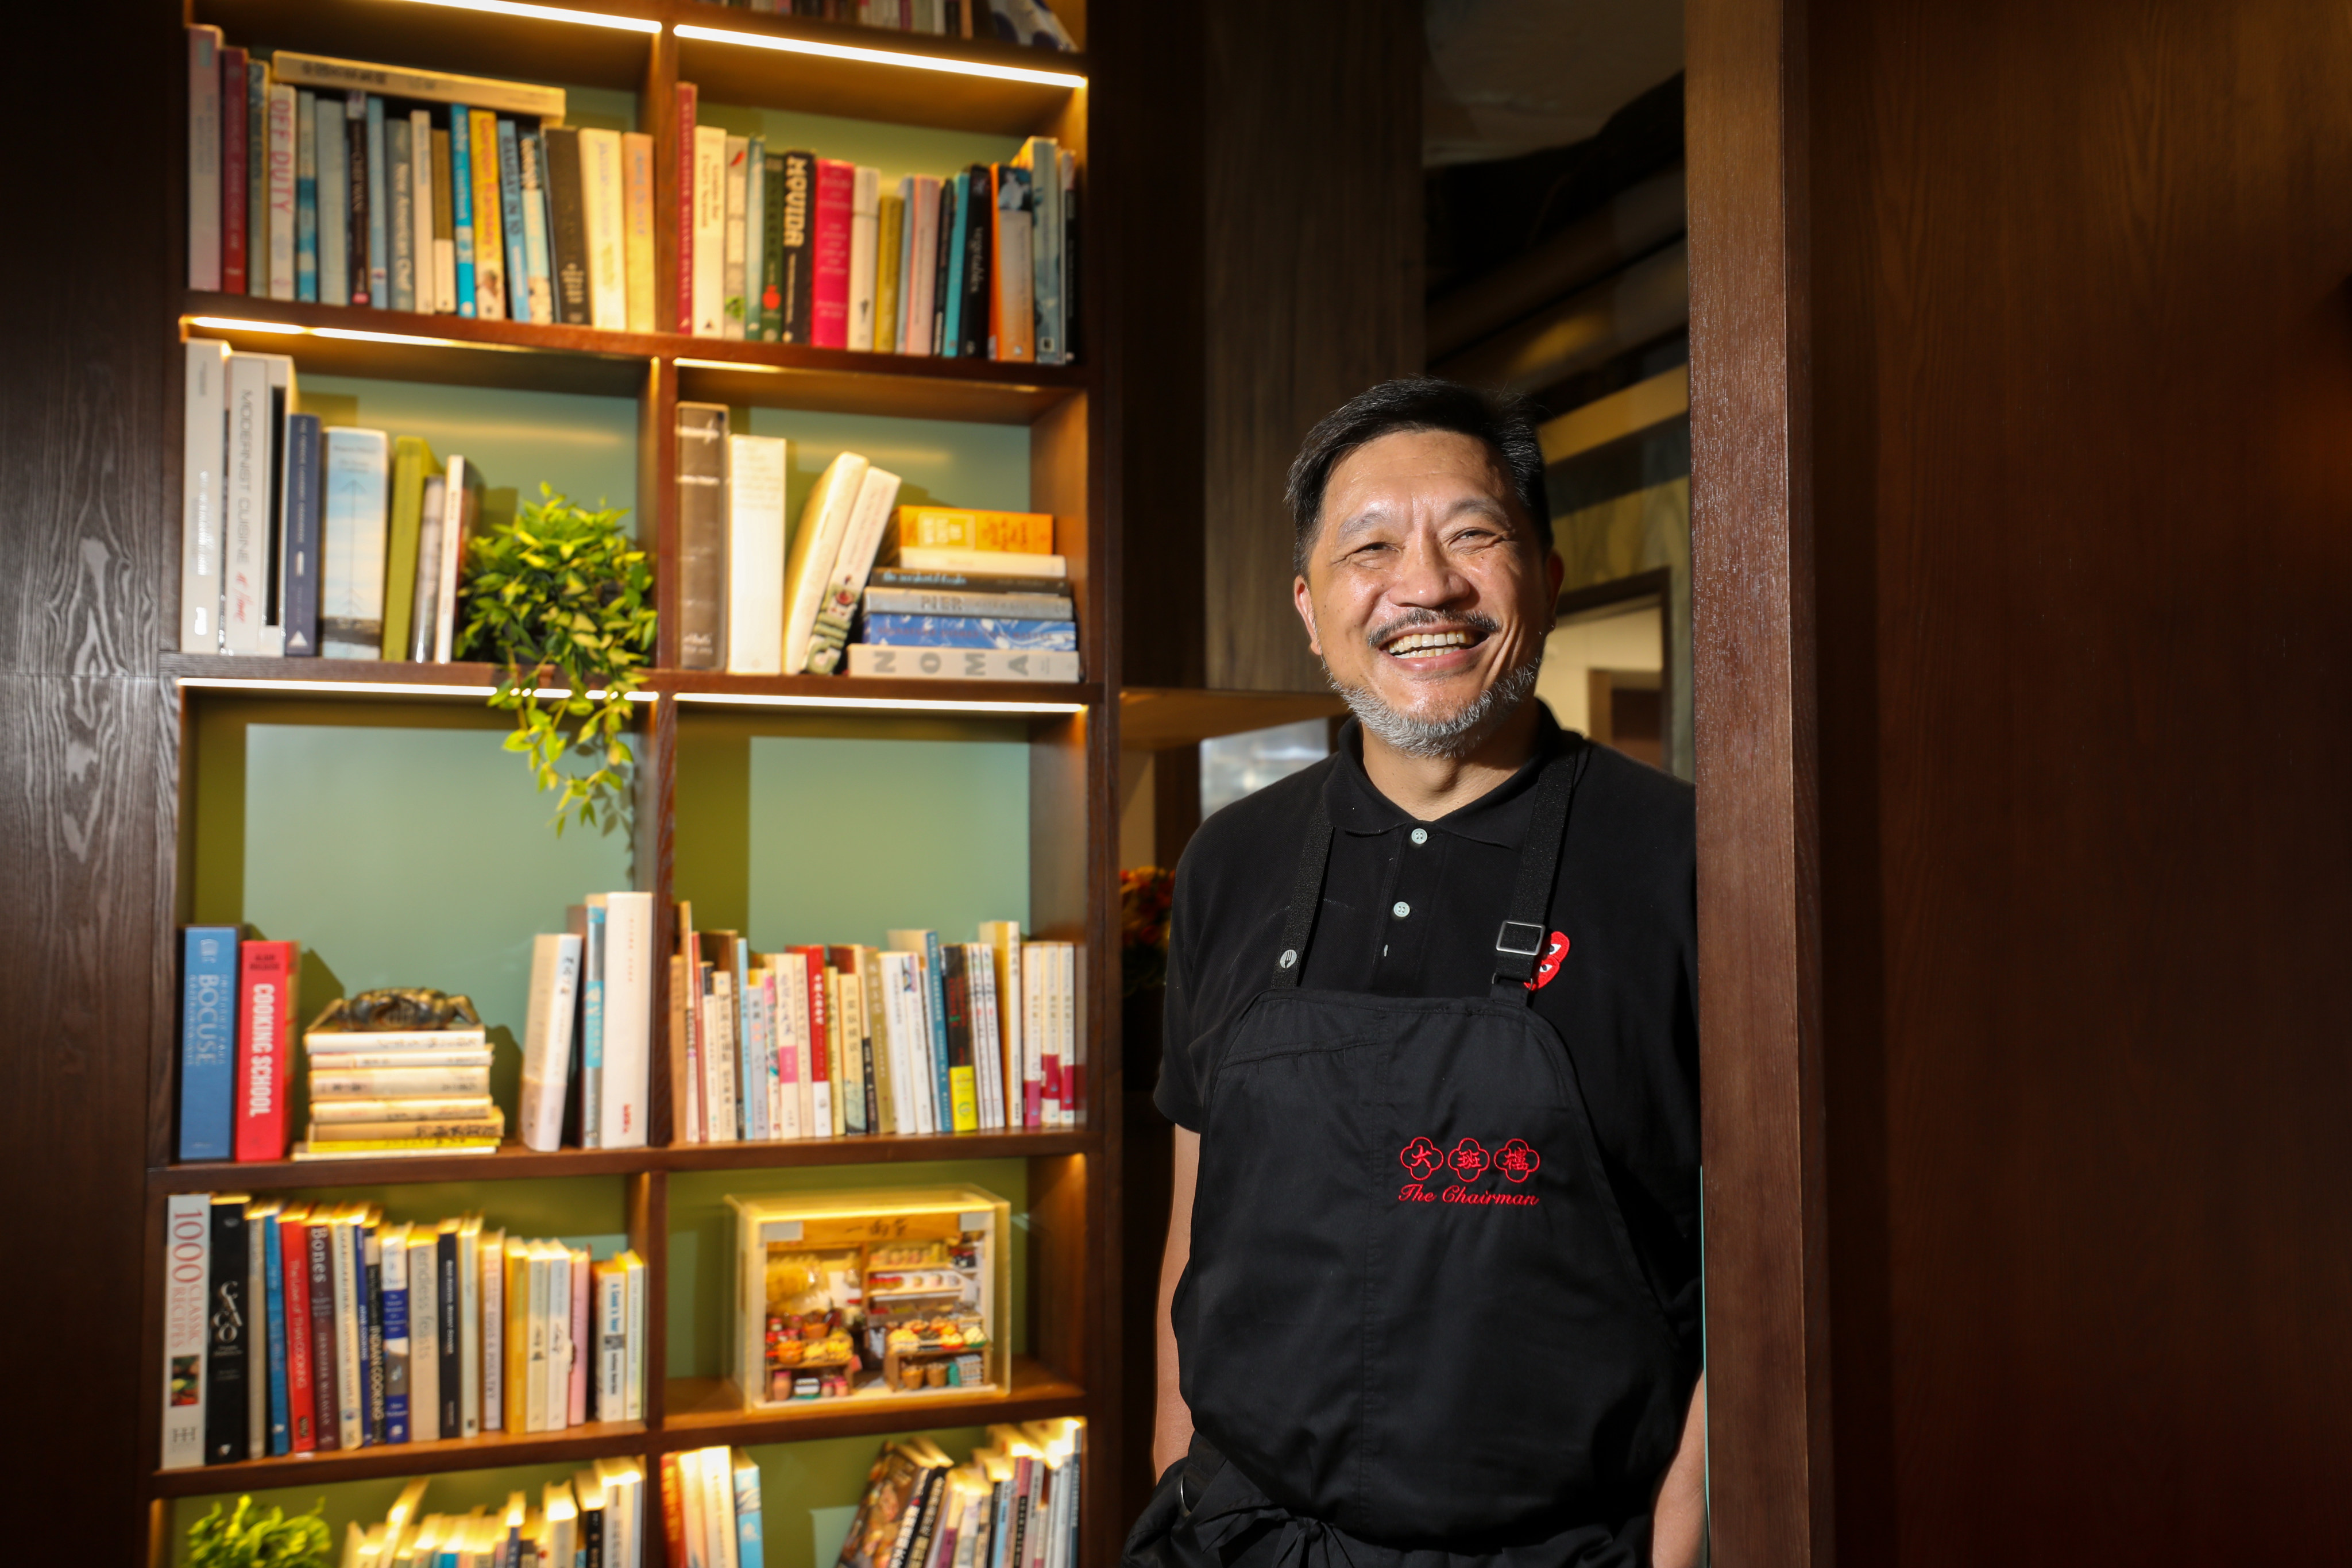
x,y
1555,574
1303,598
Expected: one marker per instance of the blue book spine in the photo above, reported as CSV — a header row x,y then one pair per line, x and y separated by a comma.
x,y
395,1352
461,202
510,215
273,1284
935,981
954,331
334,201
538,281
747,1518
306,197
379,210
299,485
970,631
591,1032
207,1042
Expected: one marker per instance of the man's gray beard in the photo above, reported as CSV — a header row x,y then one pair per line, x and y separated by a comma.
x,y
1453,737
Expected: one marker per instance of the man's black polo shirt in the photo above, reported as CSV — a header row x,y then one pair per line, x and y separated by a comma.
x,y
1411,908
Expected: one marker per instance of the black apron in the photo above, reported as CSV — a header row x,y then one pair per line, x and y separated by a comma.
x,y
1413,1328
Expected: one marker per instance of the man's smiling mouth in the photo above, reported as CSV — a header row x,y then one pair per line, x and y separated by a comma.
x,y
1421,642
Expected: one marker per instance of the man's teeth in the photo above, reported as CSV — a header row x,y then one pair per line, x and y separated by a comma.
x,y
1423,642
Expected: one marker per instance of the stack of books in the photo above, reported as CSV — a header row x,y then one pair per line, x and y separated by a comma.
x,y
964,594
293,1327
1030,22
596,1517
853,1041
405,1092
784,247
352,184
710,1509
299,541
1014,1504
236,1013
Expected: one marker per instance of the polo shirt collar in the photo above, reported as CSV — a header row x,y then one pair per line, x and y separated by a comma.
x,y
1498,818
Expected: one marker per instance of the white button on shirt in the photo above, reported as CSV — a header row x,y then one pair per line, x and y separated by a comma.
x,y
1421,835
1400,908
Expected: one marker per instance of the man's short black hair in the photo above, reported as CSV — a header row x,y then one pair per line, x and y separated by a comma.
x,y
1501,420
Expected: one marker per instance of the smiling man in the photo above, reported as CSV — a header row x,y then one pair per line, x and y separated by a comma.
x,y
1431,1291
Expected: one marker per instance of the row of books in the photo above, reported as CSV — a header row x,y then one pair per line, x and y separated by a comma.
x,y
921,1037
303,541
293,1329
980,594
408,1091
1014,1504
586,1023
1027,22
351,184
710,1509
781,246
595,1519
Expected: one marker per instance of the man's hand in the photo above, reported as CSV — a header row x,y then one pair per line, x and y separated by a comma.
x,y
1678,1526
1171,1427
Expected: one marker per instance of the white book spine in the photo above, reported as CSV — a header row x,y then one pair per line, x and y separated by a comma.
x,y
1012,1007
922,299
203,158
201,485
601,205
988,1068
719,1059
493,1263
555,1264
187,1283
735,197
351,577
634,1388
877,492
424,1336
629,1018
756,467
469,1329
345,1233
456,495
612,1345
710,231
280,175
244,497
420,180
537,1347
547,1037
719,1514
864,232
581,1331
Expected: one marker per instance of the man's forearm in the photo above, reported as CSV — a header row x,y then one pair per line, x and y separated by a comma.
x,y
1678,1524
1172,1427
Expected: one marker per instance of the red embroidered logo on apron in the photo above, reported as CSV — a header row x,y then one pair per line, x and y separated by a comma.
x,y
1422,1157
1555,949
1468,1161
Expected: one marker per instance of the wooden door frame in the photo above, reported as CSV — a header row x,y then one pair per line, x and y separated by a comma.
x,y
1770,1481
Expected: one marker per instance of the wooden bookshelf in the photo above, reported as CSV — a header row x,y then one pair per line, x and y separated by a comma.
x,y
1068,1367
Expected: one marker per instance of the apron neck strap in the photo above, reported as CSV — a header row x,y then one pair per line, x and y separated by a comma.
x,y
1519,944
1306,898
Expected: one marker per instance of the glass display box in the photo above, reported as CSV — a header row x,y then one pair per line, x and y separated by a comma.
x,y
881,1293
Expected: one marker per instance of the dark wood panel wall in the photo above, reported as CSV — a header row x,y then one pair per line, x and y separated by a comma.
x,y
2032,415
1272,271
87,748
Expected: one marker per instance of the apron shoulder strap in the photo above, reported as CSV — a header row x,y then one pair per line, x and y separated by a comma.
x,y
1306,898
1520,944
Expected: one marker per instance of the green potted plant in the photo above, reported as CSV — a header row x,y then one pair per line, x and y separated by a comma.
x,y
561,598
246,1538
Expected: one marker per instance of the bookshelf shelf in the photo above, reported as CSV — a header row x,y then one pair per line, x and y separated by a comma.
x,y
400,345
704,1410
514,1162
491,1450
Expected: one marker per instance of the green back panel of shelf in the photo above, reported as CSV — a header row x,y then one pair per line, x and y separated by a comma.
x,y
797,830
808,1493
702,1241
398,843
895,150
939,462
584,447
